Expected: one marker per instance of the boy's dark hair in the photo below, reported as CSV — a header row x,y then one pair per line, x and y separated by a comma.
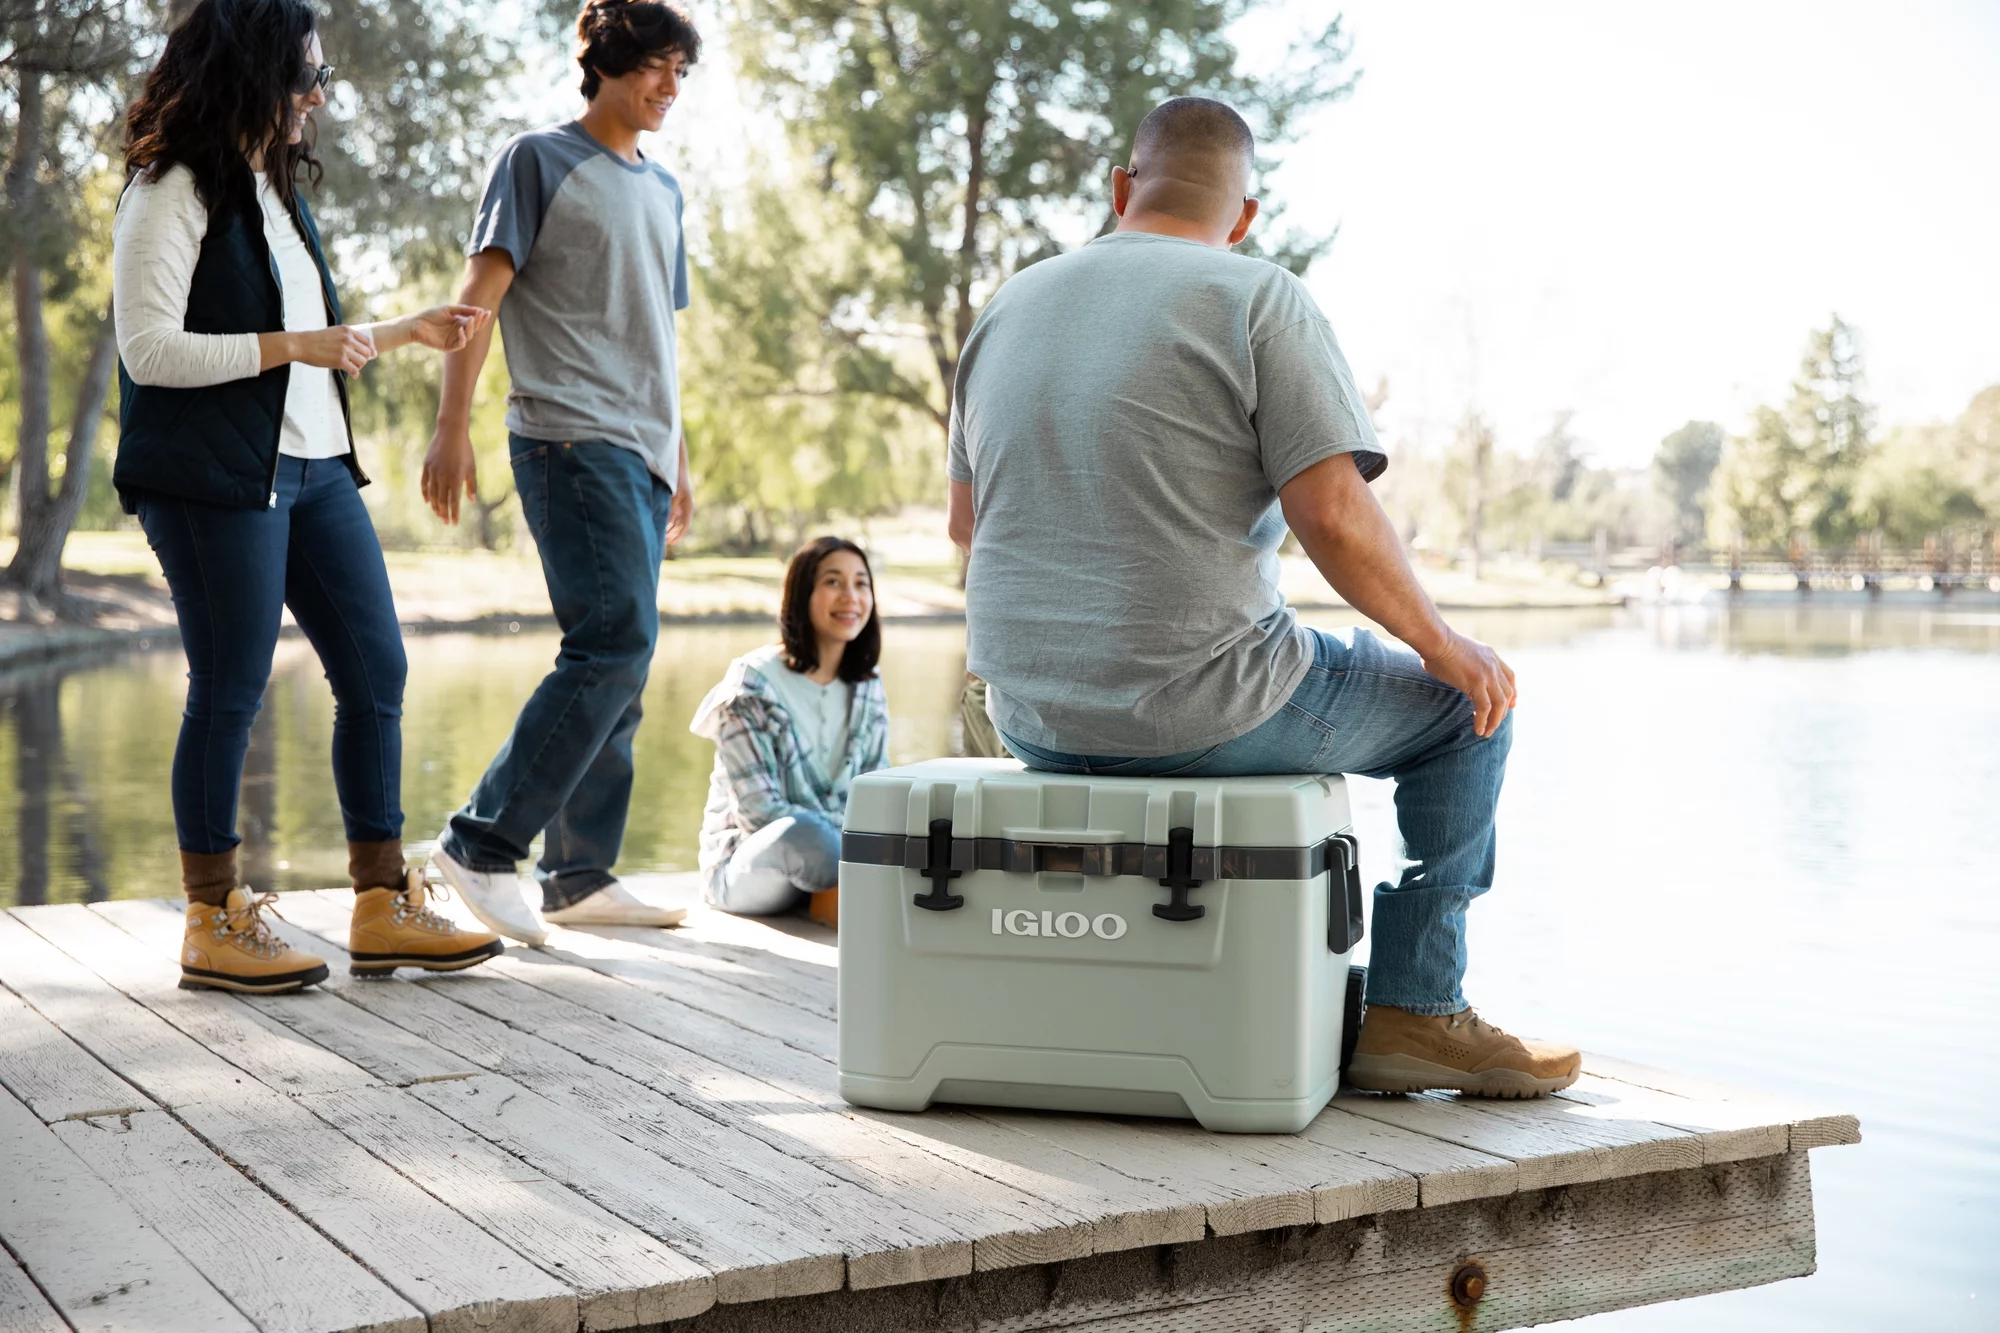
x,y
615,37
795,614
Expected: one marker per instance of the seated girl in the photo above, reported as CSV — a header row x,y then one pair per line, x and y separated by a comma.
x,y
793,724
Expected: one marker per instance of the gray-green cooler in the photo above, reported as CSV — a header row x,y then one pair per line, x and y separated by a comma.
x,y
1138,946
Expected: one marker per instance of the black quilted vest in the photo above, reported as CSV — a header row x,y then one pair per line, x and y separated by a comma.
x,y
219,445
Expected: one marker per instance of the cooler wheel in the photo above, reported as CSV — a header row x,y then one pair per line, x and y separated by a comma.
x,y
1350,1021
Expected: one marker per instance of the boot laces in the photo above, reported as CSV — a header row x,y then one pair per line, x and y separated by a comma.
x,y
1469,1017
423,917
253,933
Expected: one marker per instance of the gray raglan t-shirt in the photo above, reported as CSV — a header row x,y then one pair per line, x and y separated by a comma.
x,y
1126,414
600,267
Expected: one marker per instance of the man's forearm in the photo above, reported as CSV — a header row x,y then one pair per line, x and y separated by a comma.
x,y
1355,548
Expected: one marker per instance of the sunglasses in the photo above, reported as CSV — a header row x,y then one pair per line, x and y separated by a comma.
x,y
313,76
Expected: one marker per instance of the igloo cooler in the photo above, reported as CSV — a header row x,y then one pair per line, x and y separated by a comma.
x,y
1136,946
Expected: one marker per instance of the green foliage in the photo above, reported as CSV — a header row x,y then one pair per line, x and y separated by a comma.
x,y
1793,474
417,109
1682,470
968,138
790,419
1926,479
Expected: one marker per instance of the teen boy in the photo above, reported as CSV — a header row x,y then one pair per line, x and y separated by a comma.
x,y
578,245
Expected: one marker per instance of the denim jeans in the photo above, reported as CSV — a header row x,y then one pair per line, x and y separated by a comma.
x,y
1367,708
599,519
232,573
773,869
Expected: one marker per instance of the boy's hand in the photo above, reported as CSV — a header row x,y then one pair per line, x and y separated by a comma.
x,y
449,471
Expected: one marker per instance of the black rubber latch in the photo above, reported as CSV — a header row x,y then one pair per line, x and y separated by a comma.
x,y
1180,878
1343,867
937,869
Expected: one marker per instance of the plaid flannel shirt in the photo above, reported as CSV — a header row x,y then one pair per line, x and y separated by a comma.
x,y
761,770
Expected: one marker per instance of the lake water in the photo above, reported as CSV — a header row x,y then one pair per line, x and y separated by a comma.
x,y
1755,845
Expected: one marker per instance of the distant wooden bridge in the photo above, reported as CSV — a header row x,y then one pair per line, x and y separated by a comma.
x,y
639,1129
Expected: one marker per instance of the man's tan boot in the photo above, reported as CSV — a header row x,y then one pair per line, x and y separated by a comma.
x,y
1399,1051
232,948
395,927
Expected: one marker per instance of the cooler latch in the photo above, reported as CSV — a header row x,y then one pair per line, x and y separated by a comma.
x,y
937,869
1343,916
1180,878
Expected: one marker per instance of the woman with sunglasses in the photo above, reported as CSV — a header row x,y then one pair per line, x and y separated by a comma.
x,y
235,452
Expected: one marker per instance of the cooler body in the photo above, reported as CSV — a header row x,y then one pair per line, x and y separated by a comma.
x,y
1000,943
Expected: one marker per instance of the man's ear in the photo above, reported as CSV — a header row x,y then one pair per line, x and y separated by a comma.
x,y
1121,189
1243,221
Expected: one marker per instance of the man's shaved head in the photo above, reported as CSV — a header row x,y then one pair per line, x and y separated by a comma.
x,y
1192,158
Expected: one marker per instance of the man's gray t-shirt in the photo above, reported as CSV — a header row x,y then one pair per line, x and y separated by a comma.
x,y
600,267
1126,414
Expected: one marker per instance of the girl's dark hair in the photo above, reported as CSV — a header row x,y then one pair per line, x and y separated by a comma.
x,y
226,79
795,614
615,37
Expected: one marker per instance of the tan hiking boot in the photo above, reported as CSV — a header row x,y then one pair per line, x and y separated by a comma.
x,y
1404,1052
232,948
395,927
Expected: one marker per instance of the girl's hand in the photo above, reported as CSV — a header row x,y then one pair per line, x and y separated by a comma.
x,y
447,328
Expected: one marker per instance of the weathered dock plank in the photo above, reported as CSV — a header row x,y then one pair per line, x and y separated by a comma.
x,y
431,1256
279,1272
100,1263
750,1253
643,1128
23,1308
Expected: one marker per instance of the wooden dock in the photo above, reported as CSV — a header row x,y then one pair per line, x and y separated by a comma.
x,y
639,1129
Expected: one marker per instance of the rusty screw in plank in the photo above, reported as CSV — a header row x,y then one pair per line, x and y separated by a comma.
x,y
1468,1285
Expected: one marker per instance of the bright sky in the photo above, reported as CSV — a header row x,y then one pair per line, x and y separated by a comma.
x,y
1638,212
1633,212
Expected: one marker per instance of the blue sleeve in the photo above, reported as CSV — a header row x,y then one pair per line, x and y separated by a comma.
x,y
680,253
518,190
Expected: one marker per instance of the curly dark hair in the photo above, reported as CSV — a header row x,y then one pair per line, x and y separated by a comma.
x,y
615,37
227,78
857,662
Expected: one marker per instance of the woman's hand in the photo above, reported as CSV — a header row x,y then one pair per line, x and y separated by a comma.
x,y
339,348
446,328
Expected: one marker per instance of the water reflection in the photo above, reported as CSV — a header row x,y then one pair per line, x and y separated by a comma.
x,y
86,750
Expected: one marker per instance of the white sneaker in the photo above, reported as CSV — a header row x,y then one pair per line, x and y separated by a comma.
x,y
614,905
494,897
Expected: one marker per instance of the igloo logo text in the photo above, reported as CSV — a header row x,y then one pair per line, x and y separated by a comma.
x,y
1058,925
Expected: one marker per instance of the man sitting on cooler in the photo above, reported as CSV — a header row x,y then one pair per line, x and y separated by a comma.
x,y
1134,426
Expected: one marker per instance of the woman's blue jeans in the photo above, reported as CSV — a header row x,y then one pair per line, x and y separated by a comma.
x,y
773,869
599,519
232,573
1370,709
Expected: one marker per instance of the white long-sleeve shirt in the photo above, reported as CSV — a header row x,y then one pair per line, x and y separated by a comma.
x,y
156,242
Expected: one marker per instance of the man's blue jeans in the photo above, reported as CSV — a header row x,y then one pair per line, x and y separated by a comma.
x,y
1370,709
599,518
232,573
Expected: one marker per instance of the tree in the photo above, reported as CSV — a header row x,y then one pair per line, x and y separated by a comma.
x,y
1682,469
1793,475
969,138
411,123
60,59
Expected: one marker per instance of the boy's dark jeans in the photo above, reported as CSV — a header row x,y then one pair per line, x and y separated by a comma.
x,y
232,573
599,518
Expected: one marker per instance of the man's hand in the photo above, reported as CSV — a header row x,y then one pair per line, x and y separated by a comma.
x,y
449,471
1476,671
